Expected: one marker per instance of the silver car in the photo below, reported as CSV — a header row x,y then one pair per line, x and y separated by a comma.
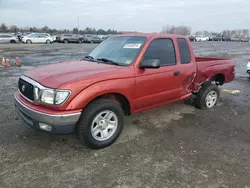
x,y
8,38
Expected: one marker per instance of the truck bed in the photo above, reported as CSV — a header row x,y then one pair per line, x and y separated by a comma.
x,y
209,67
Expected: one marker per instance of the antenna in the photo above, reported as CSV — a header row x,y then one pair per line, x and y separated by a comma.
x,y
77,36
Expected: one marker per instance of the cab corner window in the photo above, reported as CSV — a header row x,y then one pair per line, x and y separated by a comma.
x,y
184,51
162,49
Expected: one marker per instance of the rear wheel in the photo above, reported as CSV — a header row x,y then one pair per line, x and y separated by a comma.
x,y
65,41
207,97
101,123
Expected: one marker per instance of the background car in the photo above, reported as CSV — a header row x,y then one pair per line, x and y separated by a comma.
x,y
201,38
65,38
192,38
226,38
244,39
8,38
217,38
37,38
93,39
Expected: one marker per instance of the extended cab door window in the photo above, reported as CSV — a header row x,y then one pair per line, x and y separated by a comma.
x,y
162,49
184,51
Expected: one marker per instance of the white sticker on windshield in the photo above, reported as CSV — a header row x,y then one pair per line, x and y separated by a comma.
x,y
135,45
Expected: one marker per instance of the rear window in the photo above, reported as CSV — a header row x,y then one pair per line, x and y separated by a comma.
x,y
184,51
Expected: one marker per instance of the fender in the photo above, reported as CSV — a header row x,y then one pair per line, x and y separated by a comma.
x,y
124,87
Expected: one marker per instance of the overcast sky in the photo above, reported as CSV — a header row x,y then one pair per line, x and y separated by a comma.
x,y
127,15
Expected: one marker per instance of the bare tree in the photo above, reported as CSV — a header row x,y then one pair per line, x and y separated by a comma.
x,y
226,32
45,29
205,33
180,30
245,33
198,33
3,28
13,29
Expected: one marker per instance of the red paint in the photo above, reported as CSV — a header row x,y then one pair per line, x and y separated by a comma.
x,y
144,89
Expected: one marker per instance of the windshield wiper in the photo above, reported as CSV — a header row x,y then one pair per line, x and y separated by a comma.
x,y
108,61
88,57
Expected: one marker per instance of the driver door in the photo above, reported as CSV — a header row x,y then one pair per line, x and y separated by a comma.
x,y
157,86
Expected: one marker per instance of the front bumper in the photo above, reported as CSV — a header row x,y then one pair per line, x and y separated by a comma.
x,y
60,123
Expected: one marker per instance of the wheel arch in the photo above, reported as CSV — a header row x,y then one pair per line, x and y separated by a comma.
x,y
118,97
219,79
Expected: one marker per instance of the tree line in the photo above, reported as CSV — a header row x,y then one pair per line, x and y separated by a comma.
x,y
88,30
237,33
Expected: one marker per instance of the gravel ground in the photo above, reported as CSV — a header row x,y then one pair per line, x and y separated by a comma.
x,y
176,146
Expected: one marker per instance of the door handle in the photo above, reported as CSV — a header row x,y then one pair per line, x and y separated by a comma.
x,y
176,73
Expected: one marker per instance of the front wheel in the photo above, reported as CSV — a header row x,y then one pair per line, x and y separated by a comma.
x,y
48,41
101,123
207,97
28,41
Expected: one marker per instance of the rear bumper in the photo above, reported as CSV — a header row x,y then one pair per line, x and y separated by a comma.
x,y
59,123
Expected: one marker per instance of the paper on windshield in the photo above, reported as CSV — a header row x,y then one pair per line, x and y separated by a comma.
x,y
134,45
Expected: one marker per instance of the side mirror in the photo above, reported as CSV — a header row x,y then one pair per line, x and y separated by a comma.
x,y
150,64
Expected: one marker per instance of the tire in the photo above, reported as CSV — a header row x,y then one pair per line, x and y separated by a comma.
x,y
28,41
87,123
65,41
201,97
79,41
48,41
12,41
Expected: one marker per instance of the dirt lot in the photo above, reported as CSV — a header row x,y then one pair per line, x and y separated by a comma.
x,y
177,146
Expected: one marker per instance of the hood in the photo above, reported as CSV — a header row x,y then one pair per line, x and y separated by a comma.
x,y
60,73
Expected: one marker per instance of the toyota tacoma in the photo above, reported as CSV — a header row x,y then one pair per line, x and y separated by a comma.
x,y
123,75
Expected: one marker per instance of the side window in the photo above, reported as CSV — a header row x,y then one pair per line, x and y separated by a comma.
x,y
162,49
34,36
184,51
43,36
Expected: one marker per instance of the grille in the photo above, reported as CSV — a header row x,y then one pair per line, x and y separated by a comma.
x,y
26,89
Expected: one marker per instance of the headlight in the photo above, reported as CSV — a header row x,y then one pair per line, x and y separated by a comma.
x,y
51,96
48,96
61,96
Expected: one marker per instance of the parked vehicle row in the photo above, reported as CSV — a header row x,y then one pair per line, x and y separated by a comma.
x,y
218,38
47,38
66,38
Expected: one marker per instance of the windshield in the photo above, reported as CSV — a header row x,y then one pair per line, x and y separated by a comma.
x,y
122,49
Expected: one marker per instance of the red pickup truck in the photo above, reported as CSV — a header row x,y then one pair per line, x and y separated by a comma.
x,y
123,75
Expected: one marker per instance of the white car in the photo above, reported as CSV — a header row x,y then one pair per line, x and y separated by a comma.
x,y
199,38
248,67
37,38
